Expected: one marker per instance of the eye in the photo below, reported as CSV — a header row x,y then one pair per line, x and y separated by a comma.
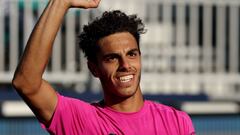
x,y
133,54
110,58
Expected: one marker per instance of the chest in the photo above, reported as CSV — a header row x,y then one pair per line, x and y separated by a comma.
x,y
139,125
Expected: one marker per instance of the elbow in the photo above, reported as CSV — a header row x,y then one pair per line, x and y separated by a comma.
x,y
24,85
18,82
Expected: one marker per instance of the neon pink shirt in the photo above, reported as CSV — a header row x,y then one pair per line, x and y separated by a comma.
x,y
75,117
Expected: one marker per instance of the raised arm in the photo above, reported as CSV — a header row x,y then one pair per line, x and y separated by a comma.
x,y
28,82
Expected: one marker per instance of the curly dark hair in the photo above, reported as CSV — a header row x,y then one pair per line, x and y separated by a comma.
x,y
109,23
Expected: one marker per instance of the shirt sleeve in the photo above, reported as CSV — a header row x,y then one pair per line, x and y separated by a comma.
x,y
188,124
70,116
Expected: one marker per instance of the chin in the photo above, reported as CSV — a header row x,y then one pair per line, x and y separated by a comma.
x,y
127,92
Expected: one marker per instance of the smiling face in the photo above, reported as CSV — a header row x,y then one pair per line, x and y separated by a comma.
x,y
118,66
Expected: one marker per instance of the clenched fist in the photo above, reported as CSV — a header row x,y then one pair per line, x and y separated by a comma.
x,y
82,3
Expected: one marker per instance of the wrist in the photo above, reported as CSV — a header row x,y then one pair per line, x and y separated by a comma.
x,y
61,4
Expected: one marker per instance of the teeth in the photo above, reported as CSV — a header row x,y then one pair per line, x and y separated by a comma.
x,y
126,78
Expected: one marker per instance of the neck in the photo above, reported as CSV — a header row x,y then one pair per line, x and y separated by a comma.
x,y
129,104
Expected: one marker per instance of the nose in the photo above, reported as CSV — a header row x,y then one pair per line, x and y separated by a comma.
x,y
124,64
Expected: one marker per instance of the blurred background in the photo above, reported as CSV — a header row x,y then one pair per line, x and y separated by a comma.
x,y
190,57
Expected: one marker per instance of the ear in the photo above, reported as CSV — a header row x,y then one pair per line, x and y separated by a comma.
x,y
93,68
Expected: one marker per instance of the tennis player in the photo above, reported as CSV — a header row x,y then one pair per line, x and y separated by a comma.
x,y
111,45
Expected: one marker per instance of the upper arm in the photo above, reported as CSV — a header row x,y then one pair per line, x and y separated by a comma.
x,y
42,101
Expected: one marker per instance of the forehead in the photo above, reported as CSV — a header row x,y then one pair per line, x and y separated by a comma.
x,y
118,42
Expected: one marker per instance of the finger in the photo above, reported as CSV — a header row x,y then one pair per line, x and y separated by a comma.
x,y
93,3
85,3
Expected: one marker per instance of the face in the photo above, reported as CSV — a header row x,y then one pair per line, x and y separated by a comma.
x,y
118,65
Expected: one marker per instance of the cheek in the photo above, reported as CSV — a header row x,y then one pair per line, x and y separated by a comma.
x,y
137,64
107,71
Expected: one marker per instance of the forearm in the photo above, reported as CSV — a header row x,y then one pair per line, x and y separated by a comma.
x,y
38,50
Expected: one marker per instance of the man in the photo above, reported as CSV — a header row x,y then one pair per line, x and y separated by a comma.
x,y
111,45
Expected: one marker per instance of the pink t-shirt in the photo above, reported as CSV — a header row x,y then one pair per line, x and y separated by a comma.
x,y
75,117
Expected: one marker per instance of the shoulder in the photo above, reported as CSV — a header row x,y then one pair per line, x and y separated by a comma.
x,y
72,104
159,106
172,115
69,100
166,110
70,115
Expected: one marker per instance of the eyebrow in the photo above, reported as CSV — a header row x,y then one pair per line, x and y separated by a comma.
x,y
111,55
134,50
117,54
